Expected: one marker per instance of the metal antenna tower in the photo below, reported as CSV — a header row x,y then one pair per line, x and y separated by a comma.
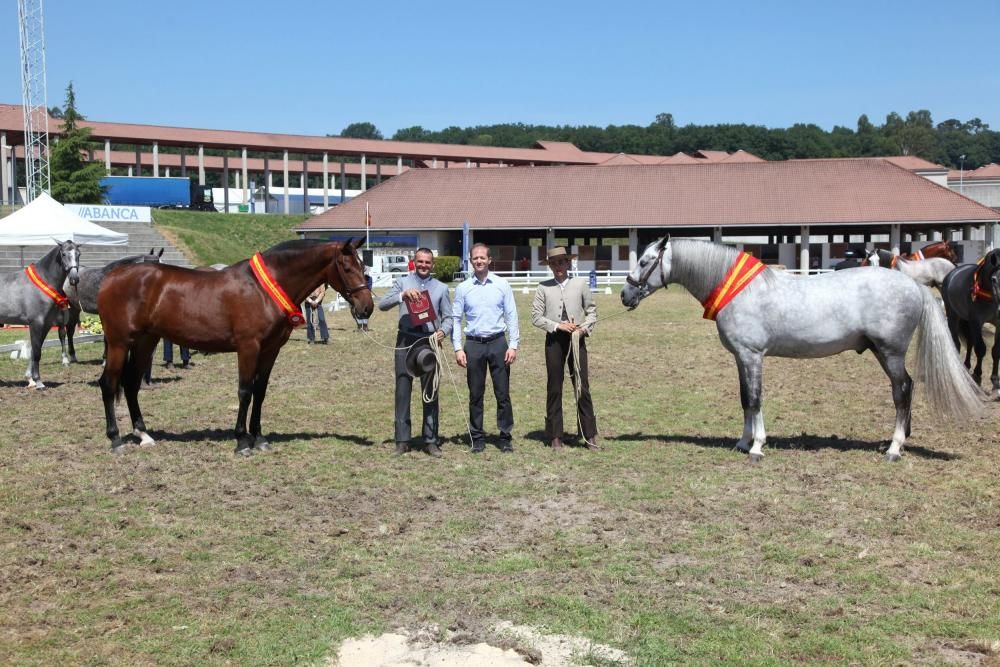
x,y
34,98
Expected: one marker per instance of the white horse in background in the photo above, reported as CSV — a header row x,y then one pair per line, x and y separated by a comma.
x,y
930,271
784,315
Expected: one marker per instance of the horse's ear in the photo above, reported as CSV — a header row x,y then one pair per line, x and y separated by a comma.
x,y
663,242
160,254
347,246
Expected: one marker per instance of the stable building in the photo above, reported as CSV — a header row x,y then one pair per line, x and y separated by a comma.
x,y
797,213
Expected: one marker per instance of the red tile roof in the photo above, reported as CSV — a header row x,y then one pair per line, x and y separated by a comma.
x,y
816,192
914,163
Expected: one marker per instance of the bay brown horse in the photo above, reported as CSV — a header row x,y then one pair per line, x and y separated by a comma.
x,y
216,311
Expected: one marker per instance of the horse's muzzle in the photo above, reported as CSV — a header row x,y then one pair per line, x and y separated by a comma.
x,y
74,276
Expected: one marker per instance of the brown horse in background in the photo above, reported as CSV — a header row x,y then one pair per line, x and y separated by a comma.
x,y
216,311
943,249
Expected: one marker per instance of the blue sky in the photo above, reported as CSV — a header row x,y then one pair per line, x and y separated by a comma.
x,y
314,67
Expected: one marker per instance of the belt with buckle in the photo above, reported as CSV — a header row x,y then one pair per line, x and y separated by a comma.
x,y
484,339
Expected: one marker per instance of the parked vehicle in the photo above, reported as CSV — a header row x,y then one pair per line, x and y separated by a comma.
x,y
157,192
390,263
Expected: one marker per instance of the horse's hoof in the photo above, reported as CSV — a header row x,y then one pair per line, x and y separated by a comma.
x,y
756,458
261,444
743,448
145,440
892,458
244,451
118,450
38,386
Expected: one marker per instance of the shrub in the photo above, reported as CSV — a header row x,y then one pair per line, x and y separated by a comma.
x,y
446,266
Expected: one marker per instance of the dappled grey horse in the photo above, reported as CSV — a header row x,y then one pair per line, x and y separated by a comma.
x,y
784,315
971,295
83,297
32,296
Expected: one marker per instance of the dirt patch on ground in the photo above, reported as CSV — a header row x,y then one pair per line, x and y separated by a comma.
x,y
510,646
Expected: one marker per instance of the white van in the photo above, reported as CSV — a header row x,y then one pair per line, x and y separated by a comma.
x,y
390,264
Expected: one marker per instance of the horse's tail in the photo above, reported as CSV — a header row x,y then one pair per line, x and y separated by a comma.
x,y
950,388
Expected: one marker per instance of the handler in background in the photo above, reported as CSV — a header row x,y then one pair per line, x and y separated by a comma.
x,y
561,307
412,294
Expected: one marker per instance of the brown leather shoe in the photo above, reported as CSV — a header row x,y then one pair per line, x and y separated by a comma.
x,y
556,443
434,450
592,444
402,448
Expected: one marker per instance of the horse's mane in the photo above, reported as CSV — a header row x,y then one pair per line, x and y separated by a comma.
x,y
295,244
701,265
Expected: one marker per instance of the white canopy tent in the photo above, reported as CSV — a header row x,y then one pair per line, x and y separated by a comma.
x,y
46,222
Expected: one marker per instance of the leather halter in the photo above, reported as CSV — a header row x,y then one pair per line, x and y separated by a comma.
x,y
348,291
643,281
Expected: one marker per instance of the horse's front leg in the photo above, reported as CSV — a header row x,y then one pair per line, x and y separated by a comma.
x,y
979,344
37,331
247,362
72,319
751,371
61,329
994,376
264,366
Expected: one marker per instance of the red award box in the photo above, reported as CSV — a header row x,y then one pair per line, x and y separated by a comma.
x,y
421,310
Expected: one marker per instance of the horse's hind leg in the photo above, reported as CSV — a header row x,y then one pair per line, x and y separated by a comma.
x,y
894,365
37,332
72,320
110,378
979,343
140,356
751,371
61,330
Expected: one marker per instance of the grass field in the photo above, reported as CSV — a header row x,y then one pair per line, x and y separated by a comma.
x,y
666,544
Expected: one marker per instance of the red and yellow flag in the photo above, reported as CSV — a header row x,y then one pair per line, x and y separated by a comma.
x,y
744,269
273,289
47,289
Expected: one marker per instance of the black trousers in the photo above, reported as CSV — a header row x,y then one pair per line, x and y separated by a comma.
x,y
404,388
557,351
479,358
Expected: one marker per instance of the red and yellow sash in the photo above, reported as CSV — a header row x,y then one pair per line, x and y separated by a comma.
x,y
744,269
47,289
273,289
977,291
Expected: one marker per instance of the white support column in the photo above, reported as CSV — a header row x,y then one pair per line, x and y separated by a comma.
x,y
130,170
716,234
239,182
947,236
326,180
284,184
364,172
399,165
166,172
990,233
434,163
468,163
201,164
966,232
156,159
804,248
245,183
550,237
3,168
633,247
107,156
894,238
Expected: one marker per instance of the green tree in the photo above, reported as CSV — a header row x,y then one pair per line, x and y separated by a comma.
x,y
361,131
74,179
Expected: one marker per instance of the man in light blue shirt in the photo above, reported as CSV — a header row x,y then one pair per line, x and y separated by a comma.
x,y
486,302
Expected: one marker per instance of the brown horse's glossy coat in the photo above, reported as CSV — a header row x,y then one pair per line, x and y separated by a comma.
x,y
220,311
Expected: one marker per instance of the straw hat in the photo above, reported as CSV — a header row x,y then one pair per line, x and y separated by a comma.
x,y
557,252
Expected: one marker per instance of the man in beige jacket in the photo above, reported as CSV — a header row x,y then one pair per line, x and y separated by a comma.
x,y
564,308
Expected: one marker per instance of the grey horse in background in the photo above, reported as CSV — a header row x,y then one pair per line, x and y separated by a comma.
x,y
930,271
22,302
83,297
781,314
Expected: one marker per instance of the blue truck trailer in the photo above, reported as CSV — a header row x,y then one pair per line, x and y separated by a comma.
x,y
156,192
